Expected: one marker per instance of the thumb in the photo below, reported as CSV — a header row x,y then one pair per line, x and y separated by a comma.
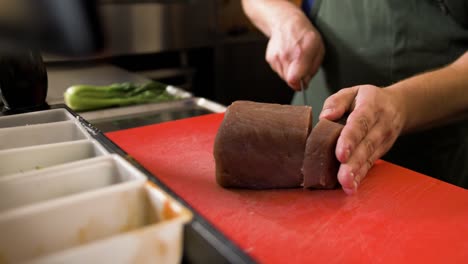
x,y
338,104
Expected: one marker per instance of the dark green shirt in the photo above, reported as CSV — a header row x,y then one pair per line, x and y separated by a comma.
x,y
381,42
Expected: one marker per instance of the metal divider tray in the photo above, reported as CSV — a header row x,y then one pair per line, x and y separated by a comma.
x,y
69,195
138,115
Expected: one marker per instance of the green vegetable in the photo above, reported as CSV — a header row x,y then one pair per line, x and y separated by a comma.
x,y
89,97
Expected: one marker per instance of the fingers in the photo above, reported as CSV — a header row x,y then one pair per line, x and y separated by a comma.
x,y
359,123
339,103
373,145
305,62
294,61
371,129
274,59
302,69
296,72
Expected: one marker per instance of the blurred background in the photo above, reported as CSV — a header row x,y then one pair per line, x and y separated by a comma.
x,y
207,47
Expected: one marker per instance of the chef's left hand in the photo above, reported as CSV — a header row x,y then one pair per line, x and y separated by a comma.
x,y
375,121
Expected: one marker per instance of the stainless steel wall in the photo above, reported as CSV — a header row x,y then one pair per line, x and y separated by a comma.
x,y
134,27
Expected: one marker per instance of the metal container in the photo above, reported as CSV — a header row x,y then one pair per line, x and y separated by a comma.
x,y
68,195
60,183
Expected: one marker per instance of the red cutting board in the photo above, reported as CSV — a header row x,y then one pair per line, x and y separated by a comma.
x,y
397,216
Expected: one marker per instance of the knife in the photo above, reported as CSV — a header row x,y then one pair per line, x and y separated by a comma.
x,y
304,97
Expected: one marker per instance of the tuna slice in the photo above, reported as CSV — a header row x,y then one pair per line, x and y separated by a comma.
x,y
320,166
261,146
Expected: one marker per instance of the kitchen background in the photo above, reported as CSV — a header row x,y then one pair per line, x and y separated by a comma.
x,y
207,47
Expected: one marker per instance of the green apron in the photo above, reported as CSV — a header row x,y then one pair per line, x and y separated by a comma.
x,y
381,42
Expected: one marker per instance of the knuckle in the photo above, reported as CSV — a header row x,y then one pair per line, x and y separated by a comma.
x,y
283,56
364,124
270,57
329,103
343,91
370,147
367,87
333,99
387,112
359,128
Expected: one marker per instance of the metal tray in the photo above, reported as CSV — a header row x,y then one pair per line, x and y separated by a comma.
x,y
92,202
113,119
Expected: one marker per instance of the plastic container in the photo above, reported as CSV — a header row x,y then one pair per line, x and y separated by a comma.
x,y
126,219
34,118
24,136
65,180
159,239
68,195
21,160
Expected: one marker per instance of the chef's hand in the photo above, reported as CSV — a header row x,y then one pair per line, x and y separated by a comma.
x,y
295,50
375,121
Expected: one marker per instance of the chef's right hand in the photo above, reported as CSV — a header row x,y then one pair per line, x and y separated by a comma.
x,y
295,51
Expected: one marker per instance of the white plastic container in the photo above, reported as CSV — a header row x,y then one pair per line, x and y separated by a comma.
x,y
23,136
159,241
20,160
65,180
66,199
41,117
41,229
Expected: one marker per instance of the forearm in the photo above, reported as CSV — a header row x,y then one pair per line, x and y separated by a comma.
x,y
269,14
434,98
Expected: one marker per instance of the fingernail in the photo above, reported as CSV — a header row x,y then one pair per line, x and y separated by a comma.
x,y
346,153
355,183
350,191
326,112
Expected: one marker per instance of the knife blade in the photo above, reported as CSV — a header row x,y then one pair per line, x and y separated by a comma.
x,y
304,97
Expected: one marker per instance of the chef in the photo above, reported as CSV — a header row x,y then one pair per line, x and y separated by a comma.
x,y
398,68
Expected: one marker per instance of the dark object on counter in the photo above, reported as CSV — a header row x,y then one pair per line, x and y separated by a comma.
x,y
320,166
261,146
23,80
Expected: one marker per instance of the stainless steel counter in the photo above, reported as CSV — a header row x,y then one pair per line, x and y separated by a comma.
x,y
111,119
